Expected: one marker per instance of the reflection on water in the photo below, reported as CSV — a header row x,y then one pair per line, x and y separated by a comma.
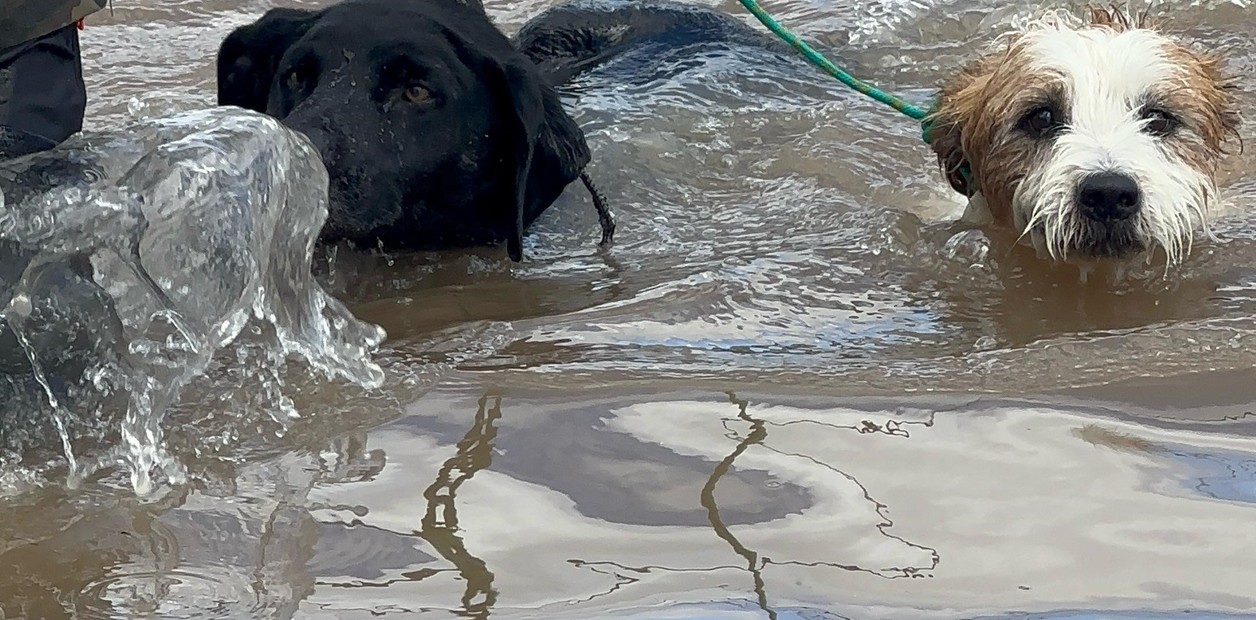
x,y
913,508
789,391
756,436
440,522
904,519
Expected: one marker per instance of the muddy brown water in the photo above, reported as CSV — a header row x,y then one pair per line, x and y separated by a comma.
x,y
783,394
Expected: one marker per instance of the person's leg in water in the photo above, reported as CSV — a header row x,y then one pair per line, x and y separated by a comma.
x,y
42,95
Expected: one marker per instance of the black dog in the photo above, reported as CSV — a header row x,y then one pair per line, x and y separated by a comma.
x,y
435,130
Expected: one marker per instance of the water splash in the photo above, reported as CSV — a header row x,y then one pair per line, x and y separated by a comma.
x,y
130,260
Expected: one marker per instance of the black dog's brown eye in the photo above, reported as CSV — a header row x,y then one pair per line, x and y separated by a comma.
x,y
1158,122
1041,122
417,94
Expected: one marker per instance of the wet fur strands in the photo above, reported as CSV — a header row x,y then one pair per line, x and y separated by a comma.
x,y
435,130
1095,136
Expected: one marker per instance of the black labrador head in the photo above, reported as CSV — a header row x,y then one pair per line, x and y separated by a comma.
x,y
434,130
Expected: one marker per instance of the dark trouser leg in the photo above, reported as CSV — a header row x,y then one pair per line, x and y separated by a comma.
x,y
42,96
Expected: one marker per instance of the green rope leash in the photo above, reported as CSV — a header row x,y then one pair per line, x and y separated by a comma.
x,y
816,58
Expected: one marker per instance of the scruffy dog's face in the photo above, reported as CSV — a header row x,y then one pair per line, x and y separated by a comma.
x,y
1095,138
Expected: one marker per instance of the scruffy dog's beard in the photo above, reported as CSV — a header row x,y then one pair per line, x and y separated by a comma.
x,y
1173,198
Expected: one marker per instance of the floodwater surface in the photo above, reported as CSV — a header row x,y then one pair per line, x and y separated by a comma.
x,y
788,391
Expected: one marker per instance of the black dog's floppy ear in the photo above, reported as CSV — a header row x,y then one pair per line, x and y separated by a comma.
x,y
547,150
529,114
250,55
559,155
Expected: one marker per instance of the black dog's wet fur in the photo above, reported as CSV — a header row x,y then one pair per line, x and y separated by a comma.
x,y
490,151
487,150
579,36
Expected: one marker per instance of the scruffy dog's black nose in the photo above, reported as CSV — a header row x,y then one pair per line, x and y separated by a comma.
x,y
1108,196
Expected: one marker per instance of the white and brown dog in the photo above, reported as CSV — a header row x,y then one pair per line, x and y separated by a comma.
x,y
1093,138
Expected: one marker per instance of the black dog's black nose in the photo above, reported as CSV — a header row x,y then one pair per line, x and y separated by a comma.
x,y
1108,196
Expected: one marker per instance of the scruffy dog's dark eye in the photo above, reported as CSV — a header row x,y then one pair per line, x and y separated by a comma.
x,y
417,94
1159,123
1041,122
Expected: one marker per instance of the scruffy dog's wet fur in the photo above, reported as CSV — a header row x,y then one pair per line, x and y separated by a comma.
x,y
1095,137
